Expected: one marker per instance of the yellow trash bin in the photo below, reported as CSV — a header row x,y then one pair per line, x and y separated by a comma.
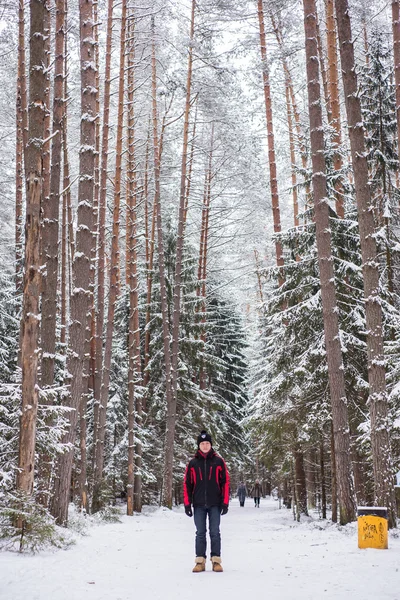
x,y
372,527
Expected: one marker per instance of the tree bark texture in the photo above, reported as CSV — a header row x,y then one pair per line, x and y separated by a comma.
x,y
81,269
396,58
171,407
327,276
20,148
101,243
114,276
333,86
383,470
271,140
51,215
134,485
32,278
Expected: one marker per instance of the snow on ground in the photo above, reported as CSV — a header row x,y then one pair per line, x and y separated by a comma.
x,y
265,554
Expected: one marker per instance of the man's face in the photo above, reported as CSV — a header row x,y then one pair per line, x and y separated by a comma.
x,y
205,447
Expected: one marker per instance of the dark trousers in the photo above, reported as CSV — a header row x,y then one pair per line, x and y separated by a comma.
x,y
257,501
200,520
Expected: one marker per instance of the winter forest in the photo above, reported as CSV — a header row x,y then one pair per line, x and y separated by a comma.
x,y
199,230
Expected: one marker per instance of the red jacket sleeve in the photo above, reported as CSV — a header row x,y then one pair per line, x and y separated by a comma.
x,y
187,487
225,484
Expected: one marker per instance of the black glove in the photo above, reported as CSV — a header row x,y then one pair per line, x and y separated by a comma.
x,y
224,509
188,510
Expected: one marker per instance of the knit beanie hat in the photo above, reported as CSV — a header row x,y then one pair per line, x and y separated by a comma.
x,y
204,437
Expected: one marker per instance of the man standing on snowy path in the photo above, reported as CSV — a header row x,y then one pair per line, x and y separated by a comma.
x,y
206,486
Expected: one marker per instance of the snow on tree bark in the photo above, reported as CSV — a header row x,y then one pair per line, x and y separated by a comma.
x,y
327,277
32,277
383,471
81,276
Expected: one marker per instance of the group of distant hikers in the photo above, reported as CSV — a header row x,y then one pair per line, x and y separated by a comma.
x,y
206,489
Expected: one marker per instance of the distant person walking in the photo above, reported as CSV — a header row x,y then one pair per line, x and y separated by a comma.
x,y
256,492
241,493
206,486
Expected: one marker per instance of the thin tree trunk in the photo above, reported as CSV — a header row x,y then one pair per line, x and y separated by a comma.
x,y
46,147
101,244
160,244
271,140
66,243
134,494
327,276
171,406
114,276
323,479
32,278
51,215
292,154
396,58
80,298
191,161
21,146
383,471
333,83
324,77
333,477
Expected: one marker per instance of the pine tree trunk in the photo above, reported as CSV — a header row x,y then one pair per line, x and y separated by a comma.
x,y
32,279
171,407
114,279
80,298
333,84
324,77
101,244
203,273
327,276
134,485
161,268
20,148
66,243
396,58
271,140
51,216
383,471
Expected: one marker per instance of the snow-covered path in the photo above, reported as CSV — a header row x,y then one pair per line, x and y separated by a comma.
x,y
265,554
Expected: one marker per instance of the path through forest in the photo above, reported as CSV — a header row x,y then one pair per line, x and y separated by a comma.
x,y
265,555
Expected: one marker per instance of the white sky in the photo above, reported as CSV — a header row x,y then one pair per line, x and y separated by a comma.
x,y
265,554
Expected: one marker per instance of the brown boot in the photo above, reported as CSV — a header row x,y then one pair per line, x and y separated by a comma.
x,y
216,563
200,564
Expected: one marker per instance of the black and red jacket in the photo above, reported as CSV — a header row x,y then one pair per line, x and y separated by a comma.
x,y
206,481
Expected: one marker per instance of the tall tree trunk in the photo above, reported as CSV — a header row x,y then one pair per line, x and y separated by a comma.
x,y
271,140
32,279
66,243
80,298
333,84
396,58
21,146
114,276
134,494
327,276
383,471
203,259
101,243
171,406
161,260
52,211
321,57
